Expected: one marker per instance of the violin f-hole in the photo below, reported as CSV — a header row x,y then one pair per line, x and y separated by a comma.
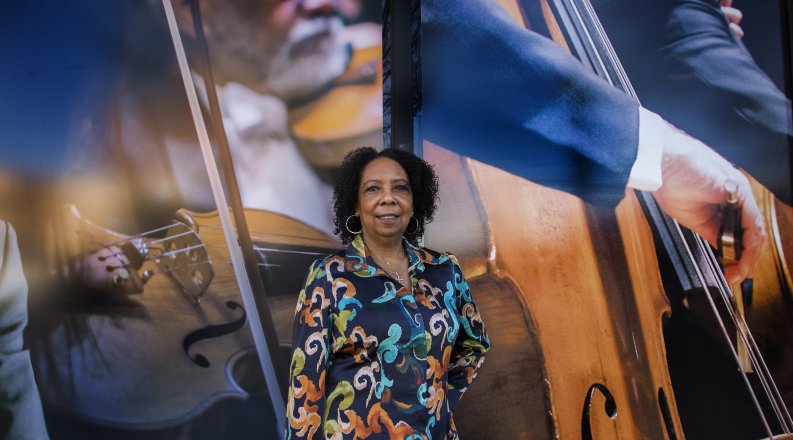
x,y
213,331
610,407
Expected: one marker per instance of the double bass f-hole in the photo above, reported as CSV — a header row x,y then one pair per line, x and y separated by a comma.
x,y
609,407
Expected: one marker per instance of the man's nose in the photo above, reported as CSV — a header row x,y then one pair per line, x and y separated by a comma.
x,y
322,7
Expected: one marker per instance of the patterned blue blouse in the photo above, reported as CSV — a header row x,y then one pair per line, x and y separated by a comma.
x,y
371,359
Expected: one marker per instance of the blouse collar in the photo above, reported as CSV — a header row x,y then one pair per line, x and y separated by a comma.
x,y
358,259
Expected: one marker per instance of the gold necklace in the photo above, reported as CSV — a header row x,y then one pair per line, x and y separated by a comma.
x,y
390,269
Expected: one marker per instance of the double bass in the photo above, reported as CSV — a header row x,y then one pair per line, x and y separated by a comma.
x,y
627,369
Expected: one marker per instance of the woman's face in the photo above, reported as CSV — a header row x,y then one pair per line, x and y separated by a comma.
x,y
385,200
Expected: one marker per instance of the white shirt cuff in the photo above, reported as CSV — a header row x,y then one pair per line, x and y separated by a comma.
x,y
646,172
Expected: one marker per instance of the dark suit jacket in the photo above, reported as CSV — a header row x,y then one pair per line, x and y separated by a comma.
x,y
687,66
506,96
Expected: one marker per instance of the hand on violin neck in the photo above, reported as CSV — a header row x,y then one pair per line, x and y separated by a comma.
x,y
694,190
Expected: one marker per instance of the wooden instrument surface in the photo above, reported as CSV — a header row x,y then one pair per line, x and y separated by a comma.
x,y
122,361
591,310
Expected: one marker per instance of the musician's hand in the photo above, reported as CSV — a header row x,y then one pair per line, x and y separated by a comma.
x,y
693,192
734,17
107,270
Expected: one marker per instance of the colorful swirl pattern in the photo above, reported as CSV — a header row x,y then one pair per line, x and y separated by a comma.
x,y
374,359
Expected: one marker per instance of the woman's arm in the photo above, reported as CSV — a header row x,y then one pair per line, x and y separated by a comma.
x,y
471,344
310,350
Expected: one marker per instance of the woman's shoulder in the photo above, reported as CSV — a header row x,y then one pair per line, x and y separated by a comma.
x,y
325,263
432,256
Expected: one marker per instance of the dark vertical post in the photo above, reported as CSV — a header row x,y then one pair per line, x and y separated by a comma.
x,y
402,74
786,19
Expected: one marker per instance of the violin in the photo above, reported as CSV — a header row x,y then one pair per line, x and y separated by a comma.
x,y
174,317
162,353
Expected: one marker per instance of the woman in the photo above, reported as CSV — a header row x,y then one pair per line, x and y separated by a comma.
x,y
386,335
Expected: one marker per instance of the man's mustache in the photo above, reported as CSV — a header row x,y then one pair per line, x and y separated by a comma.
x,y
313,31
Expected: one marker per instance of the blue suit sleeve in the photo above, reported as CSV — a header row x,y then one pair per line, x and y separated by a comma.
x,y
501,94
687,66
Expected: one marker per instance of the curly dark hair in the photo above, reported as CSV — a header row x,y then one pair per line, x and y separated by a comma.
x,y
423,184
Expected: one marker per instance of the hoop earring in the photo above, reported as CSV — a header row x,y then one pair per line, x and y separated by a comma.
x,y
416,229
347,225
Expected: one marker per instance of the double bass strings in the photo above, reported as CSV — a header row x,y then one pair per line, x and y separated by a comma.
x,y
744,333
589,24
758,361
723,329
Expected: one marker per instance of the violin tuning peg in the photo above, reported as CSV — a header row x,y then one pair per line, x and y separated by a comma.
x,y
119,278
146,275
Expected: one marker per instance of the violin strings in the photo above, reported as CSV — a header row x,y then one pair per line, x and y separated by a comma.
x,y
274,250
171,237
778,395
166,239
129,238
171,253
170,269
196,263
296,236
208,260
260,249
745,335
611,53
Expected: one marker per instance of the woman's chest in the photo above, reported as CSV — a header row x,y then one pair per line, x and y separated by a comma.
x,y
376,317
